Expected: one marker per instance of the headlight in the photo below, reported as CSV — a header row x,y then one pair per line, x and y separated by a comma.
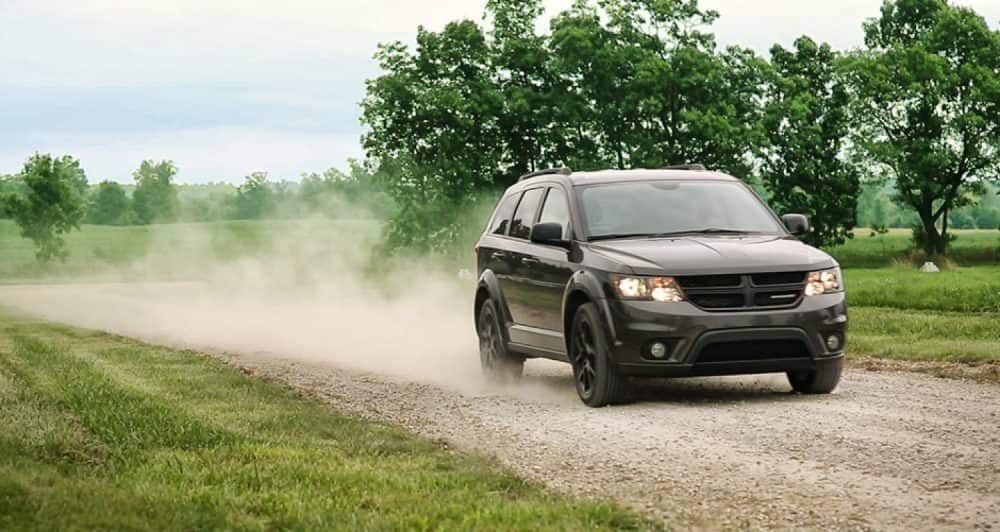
x,y
824,282
663,289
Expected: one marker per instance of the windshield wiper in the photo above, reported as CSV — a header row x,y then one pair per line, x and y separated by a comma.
x,y
709,231
704,231
622,235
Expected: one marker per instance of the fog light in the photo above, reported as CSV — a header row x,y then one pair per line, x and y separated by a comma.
x,y
833,342
658,349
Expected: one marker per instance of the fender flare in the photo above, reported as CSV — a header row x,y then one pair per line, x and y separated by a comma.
x,y
489,283
590,286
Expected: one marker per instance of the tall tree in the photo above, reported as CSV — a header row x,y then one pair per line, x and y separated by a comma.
x,y
155,196
929,96
9,184
50,204
110,205
807,124
651,89
432,118
254,198
521,66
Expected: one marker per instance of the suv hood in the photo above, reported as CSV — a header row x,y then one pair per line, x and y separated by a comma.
x,y
715,254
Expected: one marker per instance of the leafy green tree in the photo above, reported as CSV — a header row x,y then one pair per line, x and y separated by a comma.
x,y
155,196
50,205
807,124
928,88
9,184
647,88
524,78
432,119
254,199
110,205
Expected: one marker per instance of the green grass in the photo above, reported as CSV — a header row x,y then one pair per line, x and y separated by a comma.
x,y
972,246
925,336
969,289
105,433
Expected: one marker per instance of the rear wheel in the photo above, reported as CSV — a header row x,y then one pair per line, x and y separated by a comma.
x,y
598,382
823,379
497,362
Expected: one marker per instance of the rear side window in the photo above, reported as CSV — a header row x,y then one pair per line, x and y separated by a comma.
x,y
524,216
501,220
556,210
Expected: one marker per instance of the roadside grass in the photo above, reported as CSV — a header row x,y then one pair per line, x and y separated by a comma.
x,y
925,335
969,289
102,432
971,247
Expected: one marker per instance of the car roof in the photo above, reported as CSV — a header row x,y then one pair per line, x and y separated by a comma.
x,y
616,176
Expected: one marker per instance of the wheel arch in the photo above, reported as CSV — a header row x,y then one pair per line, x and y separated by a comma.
x,y
584,288
488,287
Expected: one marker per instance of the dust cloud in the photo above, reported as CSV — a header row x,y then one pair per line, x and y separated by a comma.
x,y
303,290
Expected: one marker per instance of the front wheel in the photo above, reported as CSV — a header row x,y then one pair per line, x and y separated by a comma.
x,y
598,381
498,363
823,379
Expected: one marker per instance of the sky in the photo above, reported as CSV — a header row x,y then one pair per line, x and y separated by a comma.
x,y
227,87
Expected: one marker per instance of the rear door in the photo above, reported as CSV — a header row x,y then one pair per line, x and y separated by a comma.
x,y
492,252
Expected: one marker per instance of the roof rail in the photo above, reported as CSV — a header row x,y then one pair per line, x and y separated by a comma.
x,y
548,171
692,166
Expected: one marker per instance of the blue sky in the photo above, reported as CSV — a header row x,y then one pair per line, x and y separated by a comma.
x,y
227,87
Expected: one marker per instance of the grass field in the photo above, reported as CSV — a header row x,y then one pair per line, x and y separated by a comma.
x,y
925,335
970,247
105,433
970,289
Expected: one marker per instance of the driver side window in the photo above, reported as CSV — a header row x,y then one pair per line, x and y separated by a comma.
x,y
524,216
556,210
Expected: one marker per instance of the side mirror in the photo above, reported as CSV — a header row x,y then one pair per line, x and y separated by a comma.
x,y
797,224
550,234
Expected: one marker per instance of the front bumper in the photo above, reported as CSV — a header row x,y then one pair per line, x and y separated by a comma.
x,y
725,343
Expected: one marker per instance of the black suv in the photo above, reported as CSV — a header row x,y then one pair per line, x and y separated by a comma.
x,y
654,273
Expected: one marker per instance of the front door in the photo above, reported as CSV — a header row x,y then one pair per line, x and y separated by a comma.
x,y
539,277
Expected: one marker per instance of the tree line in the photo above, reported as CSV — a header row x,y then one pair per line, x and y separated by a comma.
x,y
51,196
642,83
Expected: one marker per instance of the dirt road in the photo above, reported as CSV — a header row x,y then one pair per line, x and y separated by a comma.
x,y
886,451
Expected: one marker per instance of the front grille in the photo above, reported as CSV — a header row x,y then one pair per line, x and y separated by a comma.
x,y
717,300
710,281
744,292
765,279
750,350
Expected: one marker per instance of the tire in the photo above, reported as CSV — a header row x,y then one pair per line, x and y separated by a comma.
x,y
823,379
597,380
498,363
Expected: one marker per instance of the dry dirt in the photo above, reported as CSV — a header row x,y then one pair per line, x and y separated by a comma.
x,y
886,451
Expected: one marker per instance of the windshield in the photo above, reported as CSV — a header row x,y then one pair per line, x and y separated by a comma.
x,y
653,208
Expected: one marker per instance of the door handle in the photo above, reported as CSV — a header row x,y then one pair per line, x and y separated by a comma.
x,y
528,261
498,255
